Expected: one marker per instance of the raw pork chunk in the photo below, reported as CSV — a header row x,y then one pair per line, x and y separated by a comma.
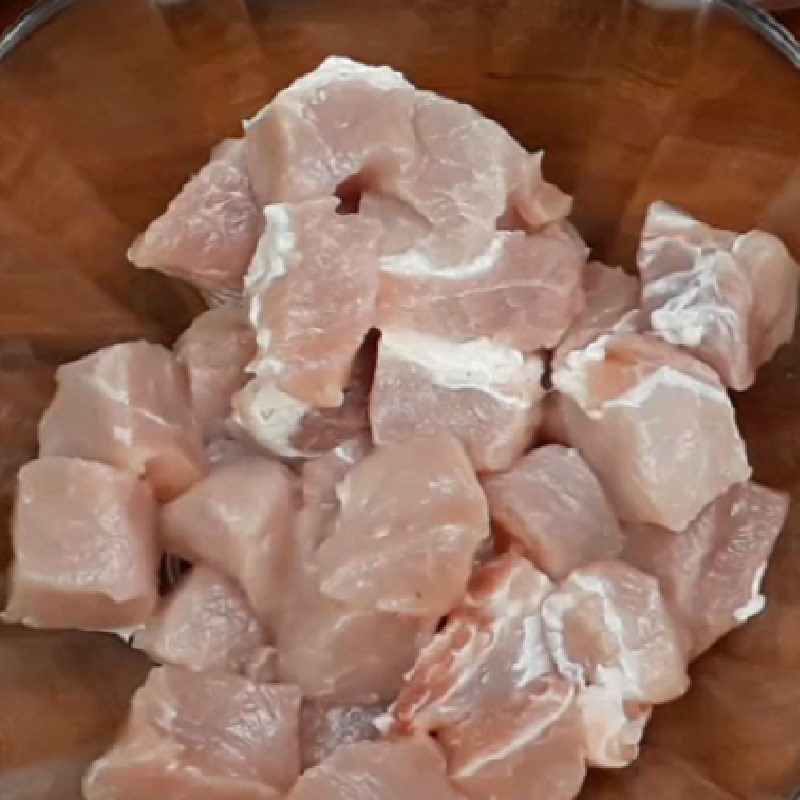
x,y
290,428
240,520
388,770
127,405
486,395
85,547
411,520
711,573
340,121
325,727
216,348
608,625
202,735
611,303
552,504
655,425
206,623
342,654
730,299
528,748
522,291
311,290
208,233
491,647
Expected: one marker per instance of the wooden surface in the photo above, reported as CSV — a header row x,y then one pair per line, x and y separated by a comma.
x,y
106,111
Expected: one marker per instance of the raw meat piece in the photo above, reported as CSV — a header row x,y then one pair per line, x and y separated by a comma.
x,y
342,654
85,547
607,625
290,428
711,573
552,504
342,120
529,748
484,394
468,174
388,770
208,233
311,290
612,727
491,646
206,623
127,405
611,301
324,728
655,425
522,291
215,349
202,735
412,517
730,299
240,520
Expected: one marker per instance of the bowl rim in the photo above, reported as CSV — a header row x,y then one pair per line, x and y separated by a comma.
x,y
747,12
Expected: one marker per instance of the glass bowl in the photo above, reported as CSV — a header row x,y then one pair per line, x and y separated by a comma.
x,y
105,110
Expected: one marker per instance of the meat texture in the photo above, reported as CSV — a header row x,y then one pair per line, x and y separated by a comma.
x,y
491,647
202,735
551,503
385,770
411,520
484,394
85,548
711,573
608,625
311,290
208,233
528,748
522,291
239,520
730,299
206,623
325,727
216,349
647,416
128,406
611,303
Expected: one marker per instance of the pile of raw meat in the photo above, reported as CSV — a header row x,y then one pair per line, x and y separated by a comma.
x,y
455,508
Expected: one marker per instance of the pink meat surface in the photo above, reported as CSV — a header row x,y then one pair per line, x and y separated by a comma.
x,y
127,405
342,654
325,727
85,549
611,301
411,520
484,394
387,770
208,233
711,573
240,520
730,299
655,425
206,623
491,647
551,503
292,429
202,735
528,748
311,290
216,348
342,120
522,291
608,625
